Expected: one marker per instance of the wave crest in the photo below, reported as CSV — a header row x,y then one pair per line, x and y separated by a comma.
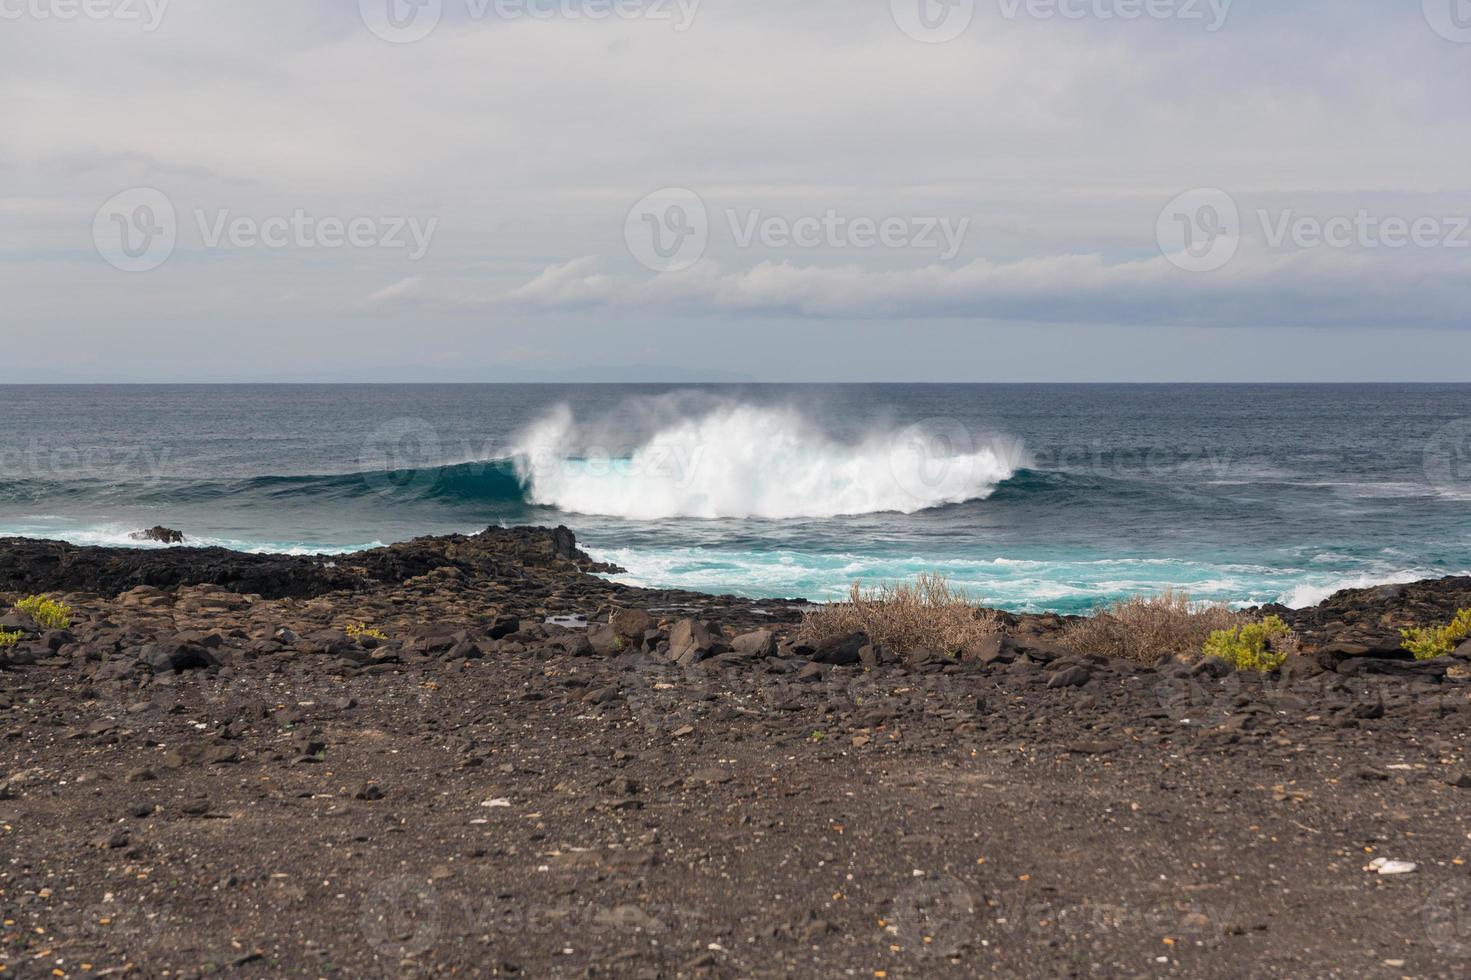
x,y
737,460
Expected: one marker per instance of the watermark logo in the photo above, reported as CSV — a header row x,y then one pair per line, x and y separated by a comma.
x,y
933,21
401,456
1451,19
939,21
136,230
1200,230
1196,700
663,699
1448,458
668,230
401,21
400,918
934,917
407,21
148,14
933,459
1448,919
1211,13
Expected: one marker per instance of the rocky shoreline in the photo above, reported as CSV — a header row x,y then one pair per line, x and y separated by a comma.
x,y
470,755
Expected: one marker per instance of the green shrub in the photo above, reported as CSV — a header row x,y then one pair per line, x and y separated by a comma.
x,y
48,614
1439,641
1261,647
9,639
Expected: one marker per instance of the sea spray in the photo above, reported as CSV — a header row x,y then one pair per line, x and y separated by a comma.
x,y
738,460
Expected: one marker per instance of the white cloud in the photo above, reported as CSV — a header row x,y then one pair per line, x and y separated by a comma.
x,y
403,291
1258,288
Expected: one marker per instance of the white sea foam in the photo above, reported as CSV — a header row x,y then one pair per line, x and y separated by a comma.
x,y
120,536
735,460
1311,593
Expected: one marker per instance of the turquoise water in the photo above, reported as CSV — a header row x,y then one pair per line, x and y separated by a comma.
x,y
1031,497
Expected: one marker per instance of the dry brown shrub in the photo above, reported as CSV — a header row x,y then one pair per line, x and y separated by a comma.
x,y
928,615
1151,629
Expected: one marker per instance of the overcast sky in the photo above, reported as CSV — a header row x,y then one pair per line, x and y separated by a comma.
x,y
963,190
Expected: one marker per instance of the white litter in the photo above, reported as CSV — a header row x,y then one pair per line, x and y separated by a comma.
x,y
497,803
1385,866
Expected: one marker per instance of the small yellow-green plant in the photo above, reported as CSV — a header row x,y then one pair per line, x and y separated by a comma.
x,y
47,613
9,639
1438,641
360,630
1261,647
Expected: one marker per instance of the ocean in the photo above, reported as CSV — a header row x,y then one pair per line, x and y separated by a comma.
x,y
1028,497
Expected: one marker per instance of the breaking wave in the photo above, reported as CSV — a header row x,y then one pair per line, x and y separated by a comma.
x,y
748,461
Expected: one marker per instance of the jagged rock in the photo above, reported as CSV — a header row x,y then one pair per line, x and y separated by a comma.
x,y
331,643
632,624
1426,670
432,645
605,640
1298,668
15,620
987,650
811,673
572,644
840,650
689,642
1069,677
159,533
465,650
756,644
1040,650
504,626
508,554
174,656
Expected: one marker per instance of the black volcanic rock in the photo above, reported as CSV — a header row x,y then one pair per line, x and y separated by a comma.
x,y
161,534
28,565
39,566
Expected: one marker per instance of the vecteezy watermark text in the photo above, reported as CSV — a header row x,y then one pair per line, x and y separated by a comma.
x,y
403,916
938,21
43,460
1201,230
1211,13
138,230
407,21
148,14
670,229
834,230
303,230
